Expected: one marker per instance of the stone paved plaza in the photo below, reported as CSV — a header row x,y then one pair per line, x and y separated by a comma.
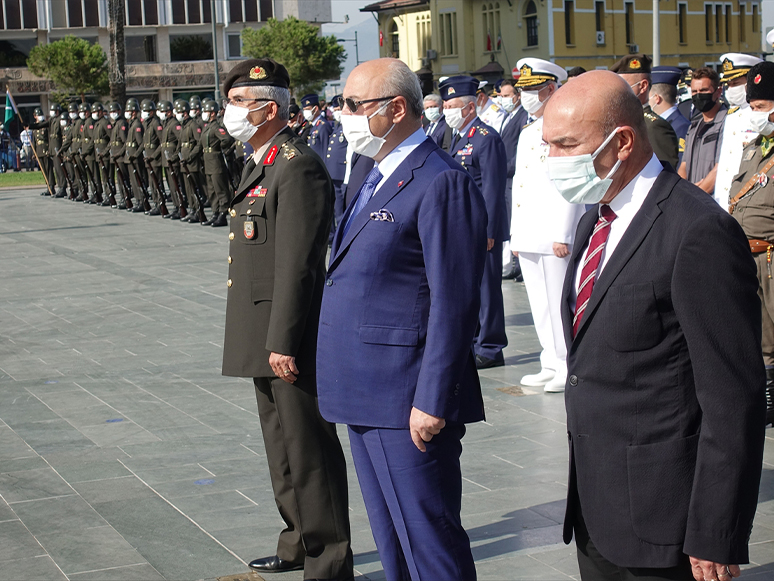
x,y
124,454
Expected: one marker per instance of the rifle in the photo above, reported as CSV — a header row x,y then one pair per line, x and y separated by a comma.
x,y
80,173
127,187
111,184
97,195
199,195
60,157
182,204
138,176
154,177
230,175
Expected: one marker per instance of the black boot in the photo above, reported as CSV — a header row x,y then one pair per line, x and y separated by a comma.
x,y
219,221
770,396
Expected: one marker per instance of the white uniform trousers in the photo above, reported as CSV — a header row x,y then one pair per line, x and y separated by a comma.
x,y
543,278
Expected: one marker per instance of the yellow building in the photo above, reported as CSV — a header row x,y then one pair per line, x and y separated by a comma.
x,y
483,37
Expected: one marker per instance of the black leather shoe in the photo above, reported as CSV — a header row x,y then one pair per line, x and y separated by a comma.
x,y
274,565
211,220
194,218
219,221
121,206
105,203
486,363
154,212
173,216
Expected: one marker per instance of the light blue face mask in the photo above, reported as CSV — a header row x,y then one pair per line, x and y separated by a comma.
x,y
576,179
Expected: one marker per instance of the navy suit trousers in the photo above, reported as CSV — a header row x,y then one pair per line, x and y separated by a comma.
x,y
491,338
413,500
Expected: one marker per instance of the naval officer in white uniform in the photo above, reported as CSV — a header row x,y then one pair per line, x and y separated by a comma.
x,y
737,131
542,225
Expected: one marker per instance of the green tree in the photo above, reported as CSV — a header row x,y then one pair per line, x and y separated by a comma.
x,y
311,59
75,66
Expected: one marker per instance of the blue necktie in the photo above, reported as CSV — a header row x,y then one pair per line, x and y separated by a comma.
x,y
366,191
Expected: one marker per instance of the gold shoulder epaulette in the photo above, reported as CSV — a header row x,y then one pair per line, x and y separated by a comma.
x,y
732,110
483,131
289,151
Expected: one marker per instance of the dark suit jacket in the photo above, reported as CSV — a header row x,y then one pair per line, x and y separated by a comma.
x,y
401,300
510,136
665,394
442,134
276,275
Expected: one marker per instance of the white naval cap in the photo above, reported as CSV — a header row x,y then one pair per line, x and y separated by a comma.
x,y
737,64
534,72
770,37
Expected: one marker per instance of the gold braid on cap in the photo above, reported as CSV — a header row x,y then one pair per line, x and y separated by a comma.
x,y
528,78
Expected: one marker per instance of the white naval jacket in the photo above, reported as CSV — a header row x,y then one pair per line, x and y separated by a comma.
x,y
736,134
540,215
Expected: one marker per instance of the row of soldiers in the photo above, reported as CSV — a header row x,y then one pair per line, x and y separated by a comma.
x,y
113,157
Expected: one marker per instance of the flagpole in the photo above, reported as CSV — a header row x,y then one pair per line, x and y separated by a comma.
x,y
34,149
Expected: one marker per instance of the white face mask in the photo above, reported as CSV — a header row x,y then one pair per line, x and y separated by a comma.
x,y
308,114
759,121
531,102
737,96
127,114
95,116
205,115
63,122
433,114
73,116
454,118
114,116
576,179
180,117
40,118
337,116
508,104
82,115
235,120
358,133
52,114
145,115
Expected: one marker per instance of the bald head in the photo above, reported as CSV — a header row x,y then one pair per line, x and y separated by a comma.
x,y
582,114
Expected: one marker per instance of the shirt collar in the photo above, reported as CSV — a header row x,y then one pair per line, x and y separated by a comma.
x,y
393,159
258,153
668,112
464,130
630,199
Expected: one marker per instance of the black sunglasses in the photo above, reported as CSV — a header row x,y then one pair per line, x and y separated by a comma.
x,y
353,105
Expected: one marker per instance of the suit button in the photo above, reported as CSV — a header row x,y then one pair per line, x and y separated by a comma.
x,y
229,283
229,260
329,282
573,380
232,212
231,236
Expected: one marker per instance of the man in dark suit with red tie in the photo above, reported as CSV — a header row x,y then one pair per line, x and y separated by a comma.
x,y
665,390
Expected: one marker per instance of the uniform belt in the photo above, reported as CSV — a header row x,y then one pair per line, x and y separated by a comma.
x,y
210,150
169,144
757,246
100,141
39,142
117,143
86,139
186,144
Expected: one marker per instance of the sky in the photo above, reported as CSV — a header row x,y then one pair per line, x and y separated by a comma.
x,y
367,37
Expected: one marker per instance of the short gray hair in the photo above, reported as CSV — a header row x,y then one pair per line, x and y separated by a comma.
x,y
401,81
432,97
467,100
279,95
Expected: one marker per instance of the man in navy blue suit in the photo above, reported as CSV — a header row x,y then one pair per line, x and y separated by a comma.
x,y
663,101
480,150
399,312
436,127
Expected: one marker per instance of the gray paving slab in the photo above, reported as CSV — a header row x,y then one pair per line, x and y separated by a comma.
x,y
124,454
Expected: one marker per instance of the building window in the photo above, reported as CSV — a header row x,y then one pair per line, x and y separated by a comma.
x,y
755,19
140,49
742,29
569,22
82,13
234,46
718,22
395,40
492,38
423,34
267,9
682,23
599,9
142,13
190,47
15,51
530,17
629,16
448,33
191,12
727,23
708,22
246,10
18,14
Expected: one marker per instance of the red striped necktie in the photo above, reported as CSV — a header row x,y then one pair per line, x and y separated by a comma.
x,y
591,263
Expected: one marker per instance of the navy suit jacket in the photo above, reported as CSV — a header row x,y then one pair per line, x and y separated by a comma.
x,y
401,301
510,136
442,134
336,155
482,153
679,123
665,396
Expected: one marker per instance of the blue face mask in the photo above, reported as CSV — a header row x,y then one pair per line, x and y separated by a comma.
x,y
576,179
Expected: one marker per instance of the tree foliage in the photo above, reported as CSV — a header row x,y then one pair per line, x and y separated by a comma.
x,y
76,66
311,59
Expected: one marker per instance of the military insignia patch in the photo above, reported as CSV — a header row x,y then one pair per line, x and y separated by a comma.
x,y
341,138
763,179
451,91
249,229
222,131
483,131
635,64
472,132
138,129
757,79
178,127
289,154
749,155
257,192
257,73
271,156
525,71
159,128
727,65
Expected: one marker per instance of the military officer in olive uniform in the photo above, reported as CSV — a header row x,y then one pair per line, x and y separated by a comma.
x,y
190,154
84,111
67,141
280,219
319,131
635,70
118,154
133,157
752,204
101,135
41,142
336,159
55,136
152,134
170,149
215,142
89,130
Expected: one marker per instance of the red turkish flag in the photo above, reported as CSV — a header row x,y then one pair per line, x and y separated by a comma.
x,y
381,38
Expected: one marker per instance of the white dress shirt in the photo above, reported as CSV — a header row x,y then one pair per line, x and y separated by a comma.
x,y
625,205
393,159
668,112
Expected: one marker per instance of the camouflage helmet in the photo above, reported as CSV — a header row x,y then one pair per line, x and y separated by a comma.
x,y
56,108
147,105
211,106
84,108
132,105
97,107
182,106
37,112
72,107
115,107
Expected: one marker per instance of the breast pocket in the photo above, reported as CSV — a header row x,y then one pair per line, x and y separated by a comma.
x,y
253,229
634,317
